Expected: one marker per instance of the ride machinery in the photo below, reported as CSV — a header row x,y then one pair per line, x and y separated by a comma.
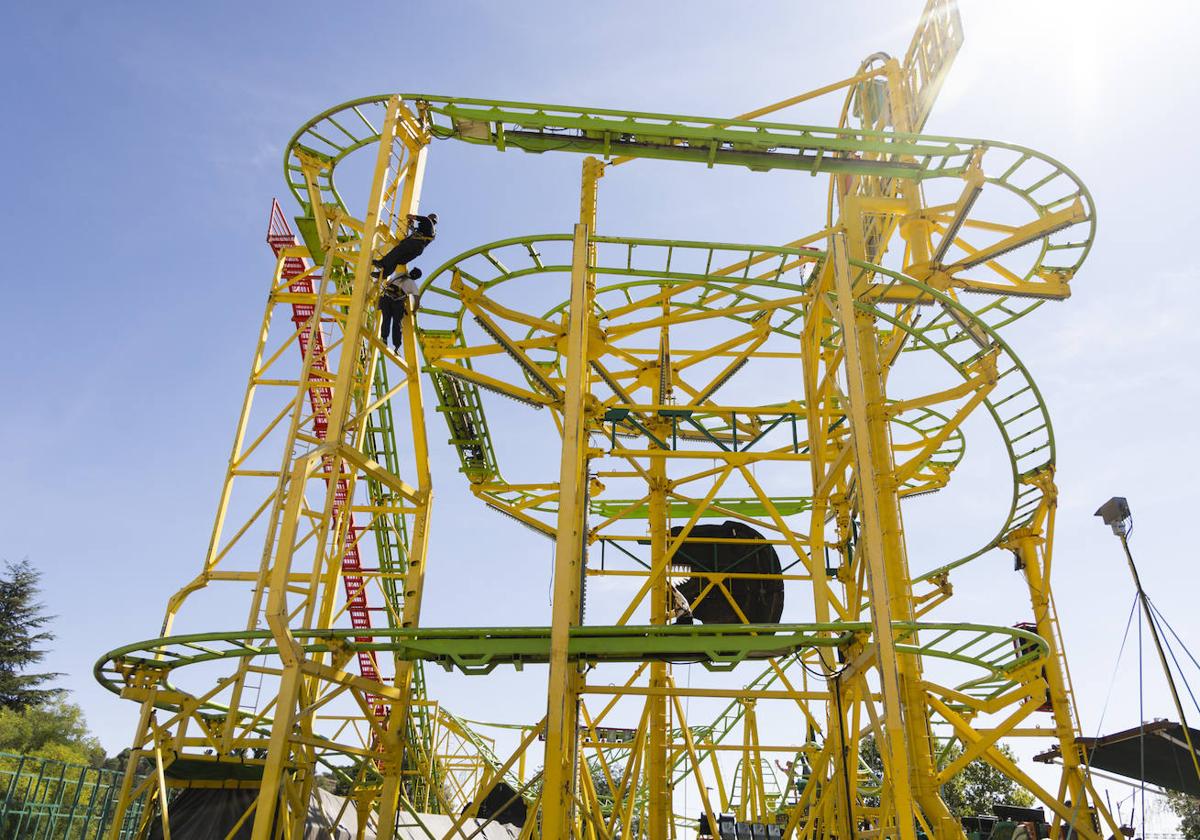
x,y
739,428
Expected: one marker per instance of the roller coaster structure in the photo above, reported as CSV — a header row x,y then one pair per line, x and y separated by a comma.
x,y
652,358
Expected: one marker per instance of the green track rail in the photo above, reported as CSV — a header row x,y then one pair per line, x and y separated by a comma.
x,y
997,652
953,332
1041,182
997,656
1015,404
391,543
631,263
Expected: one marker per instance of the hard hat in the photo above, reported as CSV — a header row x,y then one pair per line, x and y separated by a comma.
x,y
433,218
415,273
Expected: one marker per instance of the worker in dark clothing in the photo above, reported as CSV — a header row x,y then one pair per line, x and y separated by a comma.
x,y
393,303
421,231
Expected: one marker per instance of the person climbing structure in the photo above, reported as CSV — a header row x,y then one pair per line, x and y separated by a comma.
x,y
421,231
393,303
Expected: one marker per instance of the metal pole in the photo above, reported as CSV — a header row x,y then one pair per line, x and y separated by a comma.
x,y
562,718
1162,658
871,454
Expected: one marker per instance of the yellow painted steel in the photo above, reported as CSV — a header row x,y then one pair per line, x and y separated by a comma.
x,y
648,370
562,714
882,541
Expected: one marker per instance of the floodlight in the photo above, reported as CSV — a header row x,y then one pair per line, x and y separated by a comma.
x,y
1115,513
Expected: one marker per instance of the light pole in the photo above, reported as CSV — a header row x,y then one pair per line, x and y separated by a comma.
x,y
1116,514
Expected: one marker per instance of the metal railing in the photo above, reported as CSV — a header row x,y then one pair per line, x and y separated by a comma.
x,y
48,799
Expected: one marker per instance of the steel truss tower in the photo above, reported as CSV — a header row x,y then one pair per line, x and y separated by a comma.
x,y
770,403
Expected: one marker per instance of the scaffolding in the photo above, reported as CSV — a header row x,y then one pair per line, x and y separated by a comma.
x,y
873,338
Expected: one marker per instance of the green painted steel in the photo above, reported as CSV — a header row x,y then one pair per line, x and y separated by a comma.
x,y
657,262
997,652
47,799
1015,404
1041,182
720,506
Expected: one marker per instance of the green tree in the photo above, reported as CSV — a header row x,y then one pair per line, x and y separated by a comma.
x,y
974,790
56,729
979,787
605,793
21,634
54,776
1187,808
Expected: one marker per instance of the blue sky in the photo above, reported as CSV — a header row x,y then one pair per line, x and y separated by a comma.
x,y
144,145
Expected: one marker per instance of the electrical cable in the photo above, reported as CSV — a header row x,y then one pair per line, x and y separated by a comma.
x,y
837,697
1167,624
1116,667
1087,767
1171,650
834,680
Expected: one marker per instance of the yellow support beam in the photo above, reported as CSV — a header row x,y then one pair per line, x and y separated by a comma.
x,y
562,711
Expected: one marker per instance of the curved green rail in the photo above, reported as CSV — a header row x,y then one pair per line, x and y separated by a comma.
x,y
997,652
634,263
1043,183
1000,657
955,333
1015,403
1040,181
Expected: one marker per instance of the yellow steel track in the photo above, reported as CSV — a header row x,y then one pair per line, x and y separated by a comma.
x,y
800,390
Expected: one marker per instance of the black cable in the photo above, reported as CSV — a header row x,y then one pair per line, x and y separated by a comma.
x,y
837,696
821,675
835,681
1170,650
1167,645
1104,710
1182,677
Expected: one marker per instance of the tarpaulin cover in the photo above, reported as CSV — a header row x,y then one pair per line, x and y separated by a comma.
x,y
211,813
439,825
1168,762
503,805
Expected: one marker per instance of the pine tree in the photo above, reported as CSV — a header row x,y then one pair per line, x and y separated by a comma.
x,y
21,633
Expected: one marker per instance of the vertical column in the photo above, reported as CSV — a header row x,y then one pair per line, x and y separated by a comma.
x,y
917,732
279,756
659,793
872,456
562,711
814,337
1024,544
414,574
